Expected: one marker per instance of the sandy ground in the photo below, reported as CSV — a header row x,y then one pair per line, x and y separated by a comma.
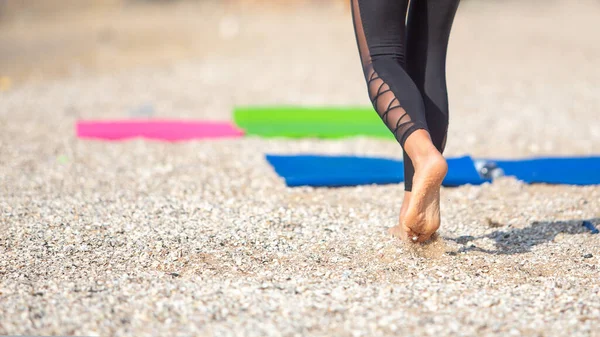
x,y
202,238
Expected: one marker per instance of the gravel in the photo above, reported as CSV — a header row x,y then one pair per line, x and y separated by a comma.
x,y
203,238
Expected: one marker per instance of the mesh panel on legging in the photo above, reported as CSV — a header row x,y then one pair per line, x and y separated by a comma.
x,y
380,37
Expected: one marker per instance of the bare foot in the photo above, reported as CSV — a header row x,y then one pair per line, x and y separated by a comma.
x,y
422,216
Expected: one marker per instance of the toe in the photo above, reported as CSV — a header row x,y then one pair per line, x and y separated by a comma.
x,y
411,235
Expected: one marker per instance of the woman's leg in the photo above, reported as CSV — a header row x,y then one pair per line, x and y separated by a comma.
x,y
428,32
380,33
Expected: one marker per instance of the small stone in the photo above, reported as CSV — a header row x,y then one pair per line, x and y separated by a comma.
x,y
588,256
493,224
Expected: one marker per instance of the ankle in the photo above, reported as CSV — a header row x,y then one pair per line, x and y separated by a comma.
x,y
426,154
419,147
432,162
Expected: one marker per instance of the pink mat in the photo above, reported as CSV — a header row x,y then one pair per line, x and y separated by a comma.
x,y
156,129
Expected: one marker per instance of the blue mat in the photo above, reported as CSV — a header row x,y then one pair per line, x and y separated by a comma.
x,y
338,171
557,170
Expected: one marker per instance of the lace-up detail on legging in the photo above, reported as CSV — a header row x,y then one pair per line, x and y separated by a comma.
x,y
394,95
387,105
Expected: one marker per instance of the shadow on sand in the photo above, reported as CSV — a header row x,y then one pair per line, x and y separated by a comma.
x,y
518,241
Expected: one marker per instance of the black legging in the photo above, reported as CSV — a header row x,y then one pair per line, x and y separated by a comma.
x,y
405,65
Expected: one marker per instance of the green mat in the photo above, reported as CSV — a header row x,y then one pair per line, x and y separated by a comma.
x,y
314,122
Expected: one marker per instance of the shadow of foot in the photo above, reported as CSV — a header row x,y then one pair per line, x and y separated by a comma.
x,y
518,241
